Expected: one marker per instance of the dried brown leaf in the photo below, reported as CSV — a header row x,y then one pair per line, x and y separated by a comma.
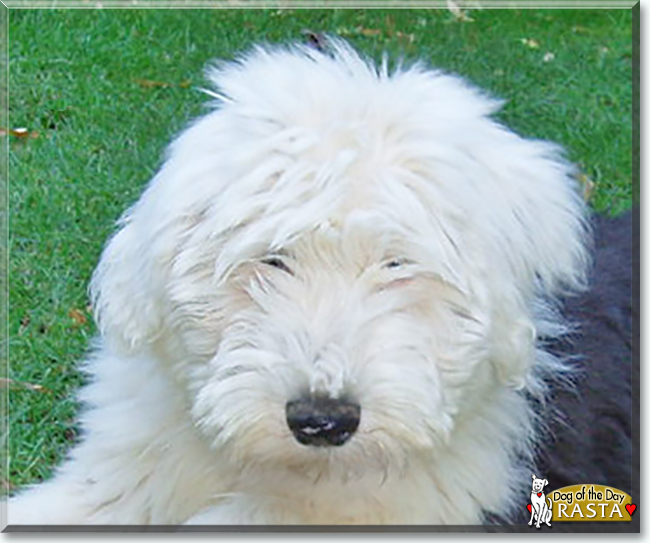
x,y
24,323
151,84
7,383
368,32
588,186
78,317
20,133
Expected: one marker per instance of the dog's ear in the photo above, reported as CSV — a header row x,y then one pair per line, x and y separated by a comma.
x,y
122,288
537,237
130,289
534,477
545,482
544,237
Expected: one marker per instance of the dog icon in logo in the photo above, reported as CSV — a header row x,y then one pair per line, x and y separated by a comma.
x,y
540,511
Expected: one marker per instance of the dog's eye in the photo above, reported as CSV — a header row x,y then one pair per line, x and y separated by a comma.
x,y
394,263
277,262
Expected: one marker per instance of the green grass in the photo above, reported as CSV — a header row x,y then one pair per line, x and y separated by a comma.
x,y
74,79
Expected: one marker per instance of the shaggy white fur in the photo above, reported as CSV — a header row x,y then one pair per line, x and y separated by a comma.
x,y
331,229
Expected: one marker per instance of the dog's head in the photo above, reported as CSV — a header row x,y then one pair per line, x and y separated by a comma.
x,y
539,484
339,262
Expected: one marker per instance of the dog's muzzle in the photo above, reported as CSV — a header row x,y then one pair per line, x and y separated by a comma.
x,y
323,422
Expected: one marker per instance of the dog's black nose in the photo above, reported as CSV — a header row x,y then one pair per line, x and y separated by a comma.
x,y
322,422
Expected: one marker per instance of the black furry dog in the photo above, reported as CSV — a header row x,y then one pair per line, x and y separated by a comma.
x,y
590,434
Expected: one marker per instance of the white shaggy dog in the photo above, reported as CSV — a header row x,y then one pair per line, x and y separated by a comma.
x,y
326,308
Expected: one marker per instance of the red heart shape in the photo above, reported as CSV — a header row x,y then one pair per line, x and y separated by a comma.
x,y
630,508
530,508
539,494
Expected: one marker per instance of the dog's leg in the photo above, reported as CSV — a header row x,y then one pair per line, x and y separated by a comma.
x,y
90,488
532,514
139,461
55,502
549,512
542,514
219,515
243,510
538,514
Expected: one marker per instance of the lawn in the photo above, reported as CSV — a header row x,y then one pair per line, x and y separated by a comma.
x,y
100,93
